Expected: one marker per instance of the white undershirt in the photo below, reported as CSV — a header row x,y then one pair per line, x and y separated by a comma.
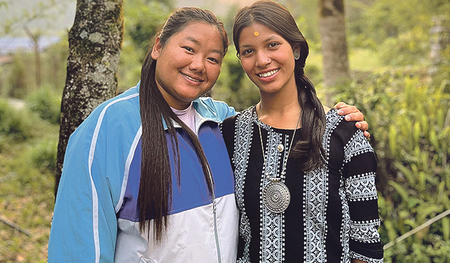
x,y
187,116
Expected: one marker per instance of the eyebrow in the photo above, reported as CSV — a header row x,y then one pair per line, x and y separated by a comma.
x,y
198,43
270,38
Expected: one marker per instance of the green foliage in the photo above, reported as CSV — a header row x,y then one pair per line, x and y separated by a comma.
x,y
46,103
143,20
26,198
400,31
409,116
16,124
26,183
18,78
42,155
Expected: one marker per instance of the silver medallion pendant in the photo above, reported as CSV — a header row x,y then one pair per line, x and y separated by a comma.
x,y
276,196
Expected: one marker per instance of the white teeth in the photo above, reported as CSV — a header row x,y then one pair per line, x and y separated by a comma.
x,y
196,80
268,74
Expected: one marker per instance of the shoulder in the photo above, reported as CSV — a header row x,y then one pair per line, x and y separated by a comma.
x,y
342,133
240,117
124,103
121,111
336,123
339,130
213,109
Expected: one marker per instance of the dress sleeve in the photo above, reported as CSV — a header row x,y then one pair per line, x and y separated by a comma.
x,y
84,226
360,172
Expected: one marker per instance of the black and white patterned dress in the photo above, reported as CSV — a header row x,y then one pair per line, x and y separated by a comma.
x,y
333,213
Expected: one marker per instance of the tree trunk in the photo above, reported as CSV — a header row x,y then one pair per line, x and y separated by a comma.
x,y
95,41
334,43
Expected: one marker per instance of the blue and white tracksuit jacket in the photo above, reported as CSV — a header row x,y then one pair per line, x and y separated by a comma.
x,y
96,213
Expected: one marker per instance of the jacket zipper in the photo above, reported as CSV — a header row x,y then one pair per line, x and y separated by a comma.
x,y
216,234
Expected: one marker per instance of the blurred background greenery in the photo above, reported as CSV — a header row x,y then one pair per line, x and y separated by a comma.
x,y
399,55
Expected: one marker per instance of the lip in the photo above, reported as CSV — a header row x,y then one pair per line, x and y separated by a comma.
x,y
192,79
267,73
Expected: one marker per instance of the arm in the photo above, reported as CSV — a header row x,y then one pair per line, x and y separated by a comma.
x,y
353,114
84,226
361,194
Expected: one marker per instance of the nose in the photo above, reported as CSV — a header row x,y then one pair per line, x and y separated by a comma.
x,y
197,64
262,59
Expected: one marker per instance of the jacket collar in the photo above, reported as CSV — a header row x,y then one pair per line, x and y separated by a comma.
x,y
204,112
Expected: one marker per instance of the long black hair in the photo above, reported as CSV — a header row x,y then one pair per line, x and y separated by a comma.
x,y
276,17
155,189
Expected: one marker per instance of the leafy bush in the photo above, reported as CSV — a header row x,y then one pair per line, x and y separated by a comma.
x,y
409,117
42,155
16,124
46,103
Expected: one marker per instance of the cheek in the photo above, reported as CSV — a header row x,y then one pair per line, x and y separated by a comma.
x,y
247,65
213,73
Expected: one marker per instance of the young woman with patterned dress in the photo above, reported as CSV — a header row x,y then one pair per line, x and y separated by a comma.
x,y
304,177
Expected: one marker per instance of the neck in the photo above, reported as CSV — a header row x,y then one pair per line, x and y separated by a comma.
x,y
280,110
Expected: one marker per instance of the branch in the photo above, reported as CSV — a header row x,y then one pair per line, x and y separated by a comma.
x,y
15,226
417,229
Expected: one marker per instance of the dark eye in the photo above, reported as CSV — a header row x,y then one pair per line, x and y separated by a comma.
x,y
247,52
189,49
271,45
214,60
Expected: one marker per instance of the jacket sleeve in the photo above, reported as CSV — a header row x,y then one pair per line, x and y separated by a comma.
x,y
224,110
360,172
220,108
84,225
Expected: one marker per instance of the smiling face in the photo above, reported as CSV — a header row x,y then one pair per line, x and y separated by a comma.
x,y
267,58
189,63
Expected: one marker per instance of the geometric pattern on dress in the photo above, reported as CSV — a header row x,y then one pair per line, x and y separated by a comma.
x,y
362,187
272,230
242,144
315,203
315,196
364,258
365,231
315,200
357,145
346,223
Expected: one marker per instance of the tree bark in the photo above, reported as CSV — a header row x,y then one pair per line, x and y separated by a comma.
x,y
334,43
95,42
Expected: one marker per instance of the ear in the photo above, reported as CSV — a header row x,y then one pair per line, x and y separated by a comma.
x,y
156,51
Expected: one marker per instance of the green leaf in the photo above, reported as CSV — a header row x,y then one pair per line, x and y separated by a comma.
x,y
400,190
434,140
446,228
406,172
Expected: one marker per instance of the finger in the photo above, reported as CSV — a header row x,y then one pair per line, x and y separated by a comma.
x,y
358,116
349,110
363,125
367,134
340,105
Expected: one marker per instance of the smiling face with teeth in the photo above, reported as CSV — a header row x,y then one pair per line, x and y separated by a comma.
x,y
188,64
267,59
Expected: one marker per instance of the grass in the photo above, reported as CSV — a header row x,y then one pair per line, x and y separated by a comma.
x,y
26,193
